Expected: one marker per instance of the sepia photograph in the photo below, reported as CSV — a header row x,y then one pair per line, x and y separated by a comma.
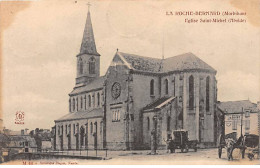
x,y
95,82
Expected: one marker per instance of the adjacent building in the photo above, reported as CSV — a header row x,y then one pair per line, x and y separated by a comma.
x,y
1,126
241,117
136,96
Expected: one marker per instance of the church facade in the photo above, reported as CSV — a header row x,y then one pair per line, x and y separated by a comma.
x,y
136,96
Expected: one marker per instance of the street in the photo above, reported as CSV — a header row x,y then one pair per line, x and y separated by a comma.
x,y
201,157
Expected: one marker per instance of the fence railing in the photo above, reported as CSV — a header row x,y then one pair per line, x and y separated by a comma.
x,y
77,152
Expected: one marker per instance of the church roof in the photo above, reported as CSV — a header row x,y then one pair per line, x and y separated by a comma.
x,y
97,83
236,106
88,45
187,61
142,63
94,113
158,104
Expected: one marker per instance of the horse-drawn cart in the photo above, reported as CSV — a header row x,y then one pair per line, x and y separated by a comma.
x,y
181,141
249,142
230,143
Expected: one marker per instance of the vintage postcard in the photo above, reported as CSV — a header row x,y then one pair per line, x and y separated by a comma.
x,y
171,82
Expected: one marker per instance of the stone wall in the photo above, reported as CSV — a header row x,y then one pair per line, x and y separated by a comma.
x,y
74,136
116,106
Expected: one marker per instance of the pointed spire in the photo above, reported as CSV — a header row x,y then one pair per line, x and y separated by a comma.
x,y
88,45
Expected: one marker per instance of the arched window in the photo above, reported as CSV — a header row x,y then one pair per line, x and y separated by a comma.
x,y
116,115
58,130
96,125
168,123
62,130
77,103
191,92
152,87
81,102
94,98
174,86
98,99
70,105
101,127
66,129
73,104
166,86
91,127
80,66
92,65
69,129
89,100
77,129
85,102
86,129
148,123
207,93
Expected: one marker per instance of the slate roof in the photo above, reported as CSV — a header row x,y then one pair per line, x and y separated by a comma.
x,y
158,104
82,115
236,106
17,139
21,138
142,63
187,61
4,138
95,84
88,45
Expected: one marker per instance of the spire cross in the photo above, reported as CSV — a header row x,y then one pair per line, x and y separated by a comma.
x,y
88,5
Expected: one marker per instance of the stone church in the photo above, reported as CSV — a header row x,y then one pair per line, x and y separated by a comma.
x,y
137,95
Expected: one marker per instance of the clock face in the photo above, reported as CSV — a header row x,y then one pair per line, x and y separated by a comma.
x,y
116,90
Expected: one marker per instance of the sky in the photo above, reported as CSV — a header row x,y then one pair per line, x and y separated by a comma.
x,y
41,43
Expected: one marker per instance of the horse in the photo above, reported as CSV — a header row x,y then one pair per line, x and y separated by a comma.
x,y
230,144
230,147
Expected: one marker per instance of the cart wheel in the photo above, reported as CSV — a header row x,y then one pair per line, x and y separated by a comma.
x,y
186,148
250,156
219,152
243,153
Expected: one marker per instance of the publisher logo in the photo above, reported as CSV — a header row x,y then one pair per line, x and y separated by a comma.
x,y
19,117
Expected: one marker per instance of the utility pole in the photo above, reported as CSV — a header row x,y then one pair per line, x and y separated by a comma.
x,y
242,121
154,137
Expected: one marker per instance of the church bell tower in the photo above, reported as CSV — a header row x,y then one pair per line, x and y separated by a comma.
x,y
88,60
